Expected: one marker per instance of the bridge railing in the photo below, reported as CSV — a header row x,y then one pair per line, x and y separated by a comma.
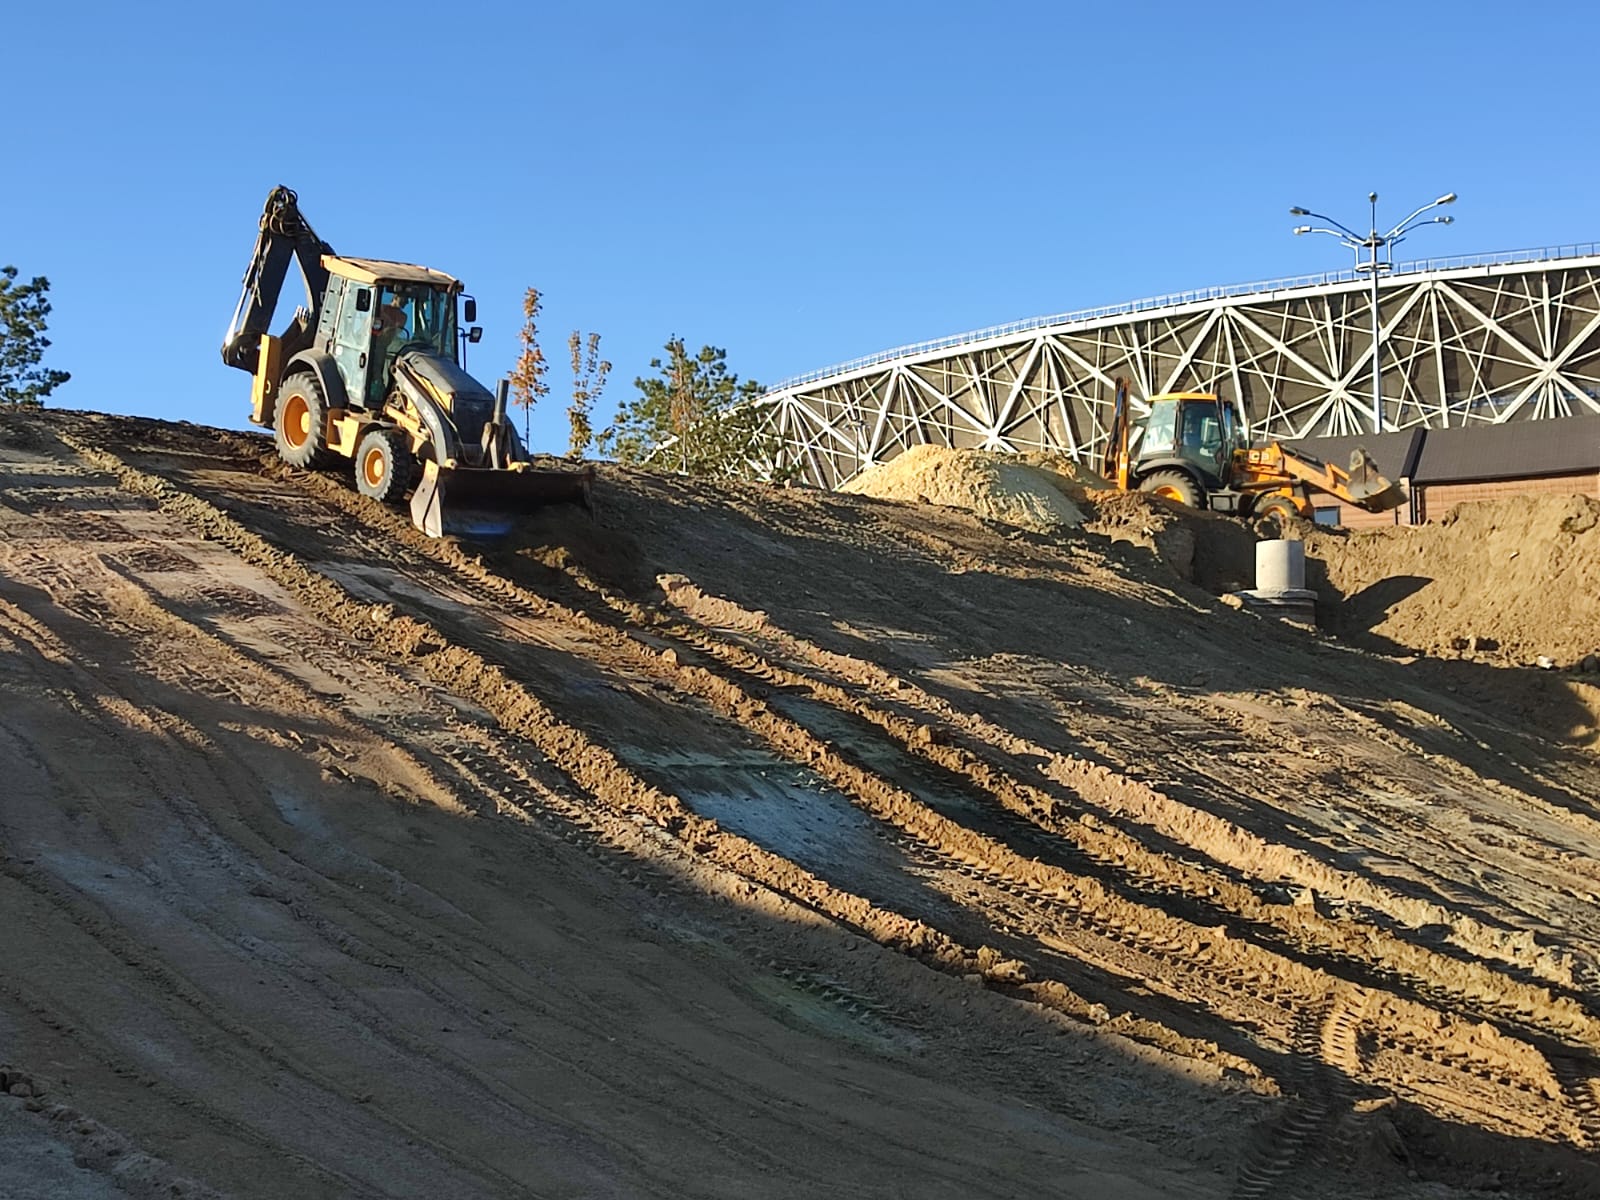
x,y
1195,296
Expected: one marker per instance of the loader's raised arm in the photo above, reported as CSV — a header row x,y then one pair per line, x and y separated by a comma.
x,y
1363,485
285,234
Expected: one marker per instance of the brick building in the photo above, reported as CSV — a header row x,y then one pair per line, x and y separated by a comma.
x,y
1439,468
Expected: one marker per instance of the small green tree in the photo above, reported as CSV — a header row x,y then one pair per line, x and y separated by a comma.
x,y
528,384
694,417
589,373
23,309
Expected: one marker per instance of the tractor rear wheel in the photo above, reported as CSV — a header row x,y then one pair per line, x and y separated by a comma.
x,y
385,466
300,427
1172,485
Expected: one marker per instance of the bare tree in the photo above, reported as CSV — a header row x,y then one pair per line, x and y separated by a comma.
x,y
528,384
589,373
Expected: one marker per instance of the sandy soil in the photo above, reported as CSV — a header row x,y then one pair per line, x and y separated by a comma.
x,y
1000,487
744,841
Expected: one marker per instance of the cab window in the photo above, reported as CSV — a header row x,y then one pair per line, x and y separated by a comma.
x,y
415,315
1202,428
1160,429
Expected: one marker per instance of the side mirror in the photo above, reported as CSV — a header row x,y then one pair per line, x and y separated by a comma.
x,y
364,300
469,311
475,335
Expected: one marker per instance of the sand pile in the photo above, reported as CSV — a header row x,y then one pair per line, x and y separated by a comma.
x,y
1000,487
1514,578
1047,491
1075,475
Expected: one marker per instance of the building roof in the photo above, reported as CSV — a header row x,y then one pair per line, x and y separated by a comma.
x,y
377,270
1515,450
1395,454
1474,453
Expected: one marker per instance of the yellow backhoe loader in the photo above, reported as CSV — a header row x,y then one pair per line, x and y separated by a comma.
x,y
371,373
1191,448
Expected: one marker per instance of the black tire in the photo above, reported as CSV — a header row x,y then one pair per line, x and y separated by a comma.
x,y
1174,485
300,425
385,466
1273,516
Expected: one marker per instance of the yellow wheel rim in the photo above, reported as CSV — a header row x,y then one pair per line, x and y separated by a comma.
x,y
1171,493
372,467
296,421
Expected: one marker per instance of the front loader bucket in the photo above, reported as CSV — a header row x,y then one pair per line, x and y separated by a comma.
x,y
1368,488
485,502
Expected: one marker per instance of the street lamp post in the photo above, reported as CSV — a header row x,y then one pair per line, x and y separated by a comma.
x,y
1373,242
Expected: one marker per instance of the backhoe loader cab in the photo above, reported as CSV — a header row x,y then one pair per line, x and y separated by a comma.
x,y
1193,433
373,374
375,310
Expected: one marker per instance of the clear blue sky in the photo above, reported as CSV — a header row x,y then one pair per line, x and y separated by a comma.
x,y
798,184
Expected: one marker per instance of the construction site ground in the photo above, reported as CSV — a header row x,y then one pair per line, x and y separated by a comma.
x,y
742,841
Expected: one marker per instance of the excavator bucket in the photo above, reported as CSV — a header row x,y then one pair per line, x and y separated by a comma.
x,y
1368,488
484,502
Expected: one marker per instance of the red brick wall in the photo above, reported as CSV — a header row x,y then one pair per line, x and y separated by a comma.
x,y
1434,500
1438,498
1352,517
1357,518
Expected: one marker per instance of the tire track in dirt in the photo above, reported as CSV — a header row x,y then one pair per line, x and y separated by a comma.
x,y
491,591
594,769
1398,962
731,641
1580,1081
1470,1067
979,958
166,985
898,809
461,950
1394,961
166,629
205,834
1509,815
739,711
1327,1061
501,592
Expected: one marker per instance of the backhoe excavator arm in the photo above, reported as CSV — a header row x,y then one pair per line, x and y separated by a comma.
x,y
1114,464
285,234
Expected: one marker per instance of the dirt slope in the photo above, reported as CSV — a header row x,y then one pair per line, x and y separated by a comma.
x,y
1519,575
748,842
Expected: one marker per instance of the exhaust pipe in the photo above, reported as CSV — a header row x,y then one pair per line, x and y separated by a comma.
x,y
492,448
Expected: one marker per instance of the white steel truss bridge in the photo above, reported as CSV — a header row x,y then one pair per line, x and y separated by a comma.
x,y
1493,338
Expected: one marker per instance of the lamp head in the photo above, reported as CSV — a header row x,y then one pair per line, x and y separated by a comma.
x,y
1297,211
1299,229
1447,198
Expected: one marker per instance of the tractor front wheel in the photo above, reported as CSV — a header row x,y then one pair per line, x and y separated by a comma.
x,y
1273,516
300,428
1172,485
385,465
